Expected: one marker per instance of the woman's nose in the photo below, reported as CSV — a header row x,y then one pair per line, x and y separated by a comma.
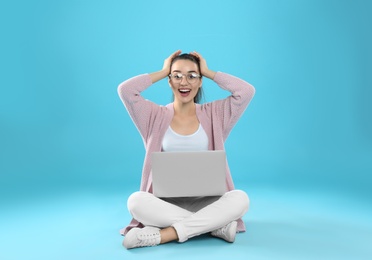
x,y
184,80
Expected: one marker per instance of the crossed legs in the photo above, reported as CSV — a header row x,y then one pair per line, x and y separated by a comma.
x,y
188,218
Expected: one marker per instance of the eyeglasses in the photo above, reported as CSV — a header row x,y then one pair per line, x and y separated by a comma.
x,y
190,77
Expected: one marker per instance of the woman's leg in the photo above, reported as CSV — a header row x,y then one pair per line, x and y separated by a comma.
x,y
181,224
152,211
231,206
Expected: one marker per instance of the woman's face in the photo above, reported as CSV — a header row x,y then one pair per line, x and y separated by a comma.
x,y
183,90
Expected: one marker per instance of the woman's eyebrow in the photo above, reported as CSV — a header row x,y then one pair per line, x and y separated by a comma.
x,y
190,71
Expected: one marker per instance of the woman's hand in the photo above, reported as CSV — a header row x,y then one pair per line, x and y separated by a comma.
x,y
168,61
156,76
203,66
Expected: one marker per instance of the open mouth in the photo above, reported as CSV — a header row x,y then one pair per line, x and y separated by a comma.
x,y
184,91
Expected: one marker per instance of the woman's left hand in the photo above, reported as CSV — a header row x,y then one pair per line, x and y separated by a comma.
x,y
204,70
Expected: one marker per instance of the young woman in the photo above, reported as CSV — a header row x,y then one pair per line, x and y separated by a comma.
x,y
184,125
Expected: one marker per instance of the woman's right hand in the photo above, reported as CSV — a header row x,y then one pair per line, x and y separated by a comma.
x,y
168,61
156,76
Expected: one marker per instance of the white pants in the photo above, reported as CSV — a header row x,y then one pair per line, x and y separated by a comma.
x,y
189,216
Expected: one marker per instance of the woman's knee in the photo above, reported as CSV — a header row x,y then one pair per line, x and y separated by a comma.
x,y
136,199
241,200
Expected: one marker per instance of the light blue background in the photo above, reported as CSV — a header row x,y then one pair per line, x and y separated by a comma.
x,y
66,138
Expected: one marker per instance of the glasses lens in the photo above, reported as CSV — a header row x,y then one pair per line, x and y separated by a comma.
x,y
191,77
177,77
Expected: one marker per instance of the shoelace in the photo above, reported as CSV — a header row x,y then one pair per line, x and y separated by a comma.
x,y
147,239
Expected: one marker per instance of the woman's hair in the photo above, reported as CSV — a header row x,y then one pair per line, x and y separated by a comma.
x,y
187,56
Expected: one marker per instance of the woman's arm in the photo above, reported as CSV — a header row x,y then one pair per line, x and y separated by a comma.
x,y
231,108
140,109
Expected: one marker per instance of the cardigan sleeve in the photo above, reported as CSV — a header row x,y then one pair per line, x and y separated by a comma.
x,y
231,108
140,110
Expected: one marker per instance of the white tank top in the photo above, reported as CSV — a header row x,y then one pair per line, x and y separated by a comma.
x,y
173,142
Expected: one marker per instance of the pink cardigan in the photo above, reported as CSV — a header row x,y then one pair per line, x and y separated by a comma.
x,y
152,121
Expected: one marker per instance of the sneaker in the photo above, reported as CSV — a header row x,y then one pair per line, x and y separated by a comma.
x,y
141,237
227,232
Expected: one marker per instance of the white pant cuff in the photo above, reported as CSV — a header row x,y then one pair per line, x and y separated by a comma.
x,y
182,237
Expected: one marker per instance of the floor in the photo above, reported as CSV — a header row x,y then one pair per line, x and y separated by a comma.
x,y
281,224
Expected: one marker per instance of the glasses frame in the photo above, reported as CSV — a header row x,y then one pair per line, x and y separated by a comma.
x,y
184,75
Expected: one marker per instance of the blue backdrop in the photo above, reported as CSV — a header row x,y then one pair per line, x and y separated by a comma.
x,y
62,123
63,126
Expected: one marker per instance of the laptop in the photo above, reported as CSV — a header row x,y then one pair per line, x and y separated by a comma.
x,y
188,174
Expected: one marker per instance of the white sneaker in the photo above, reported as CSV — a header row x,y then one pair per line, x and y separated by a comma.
x,y
141,237
227,232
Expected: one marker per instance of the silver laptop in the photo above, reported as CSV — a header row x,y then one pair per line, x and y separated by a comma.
x,y
189,174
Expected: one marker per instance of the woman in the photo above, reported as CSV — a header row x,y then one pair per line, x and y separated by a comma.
x,y
184,125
